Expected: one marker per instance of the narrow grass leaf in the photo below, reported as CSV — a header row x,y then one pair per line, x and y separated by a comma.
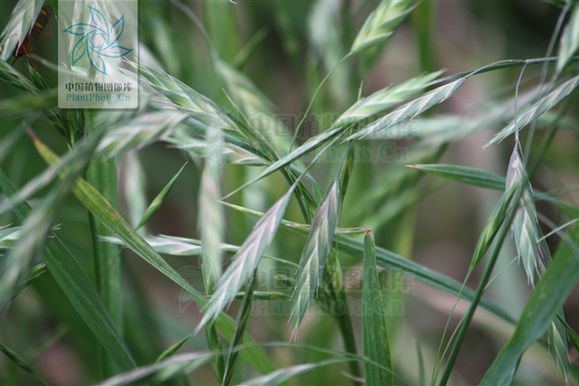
x,y
284,374
103,211
21,363
484,179
484,242
543,105
171,350
392,261
48,176
374,327
307,147
463,174
381,24
160,372
329,137
541,309
461,330
107,257
160,198
269,138
35,229
241,325
36,271
203,113
78,288
571,334
421,367
182,246
169,245
491,228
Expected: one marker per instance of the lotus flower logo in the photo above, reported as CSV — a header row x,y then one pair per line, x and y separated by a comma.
x,y
98,40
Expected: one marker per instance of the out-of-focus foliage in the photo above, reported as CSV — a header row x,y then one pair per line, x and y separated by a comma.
x,y
310,192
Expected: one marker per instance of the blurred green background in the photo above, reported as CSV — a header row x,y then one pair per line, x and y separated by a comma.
x,y
286,47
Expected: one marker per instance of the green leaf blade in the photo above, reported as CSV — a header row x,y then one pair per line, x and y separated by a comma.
x,y
463,174
374,326
541,309
160,198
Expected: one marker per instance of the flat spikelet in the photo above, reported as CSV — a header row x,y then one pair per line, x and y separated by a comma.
x,y
546,103
134,182
382,23
557,340
409,110
169,92
21,22
211,218
139,132
257,109
533,254
314,254
8,235
9,75
569,40
385,98
36,228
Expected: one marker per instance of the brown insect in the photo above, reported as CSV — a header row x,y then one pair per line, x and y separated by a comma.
x,y
37,30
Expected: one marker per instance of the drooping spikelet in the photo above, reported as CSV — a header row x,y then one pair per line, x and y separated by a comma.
x,y
533,252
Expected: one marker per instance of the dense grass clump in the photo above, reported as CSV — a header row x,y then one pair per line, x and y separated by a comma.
x,y
404,213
